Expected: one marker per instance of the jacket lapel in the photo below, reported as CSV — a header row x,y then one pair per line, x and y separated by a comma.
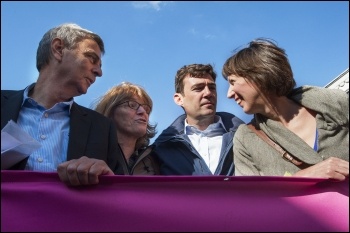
x,y
78,133
10,106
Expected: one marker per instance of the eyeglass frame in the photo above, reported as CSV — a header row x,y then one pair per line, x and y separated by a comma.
x,y
138,106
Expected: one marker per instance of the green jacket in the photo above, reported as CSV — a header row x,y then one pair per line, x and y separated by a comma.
x,y
253,156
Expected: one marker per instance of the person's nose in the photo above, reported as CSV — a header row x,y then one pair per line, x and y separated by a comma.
x,y
207,91
141,109
97,70
230,92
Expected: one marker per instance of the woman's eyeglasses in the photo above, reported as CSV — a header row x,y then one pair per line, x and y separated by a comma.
x,y
135,105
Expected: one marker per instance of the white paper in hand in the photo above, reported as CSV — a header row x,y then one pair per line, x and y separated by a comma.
x,y
16,145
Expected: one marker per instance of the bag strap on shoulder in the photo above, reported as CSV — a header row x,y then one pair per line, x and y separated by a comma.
x,y
285,155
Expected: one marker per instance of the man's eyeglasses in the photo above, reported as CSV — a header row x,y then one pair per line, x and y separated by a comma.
x,y
134,105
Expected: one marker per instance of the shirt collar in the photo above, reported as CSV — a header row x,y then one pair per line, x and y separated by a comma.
x,y
30,87
214,129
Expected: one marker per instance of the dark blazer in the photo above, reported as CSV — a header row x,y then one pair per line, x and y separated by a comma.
x,y
91,134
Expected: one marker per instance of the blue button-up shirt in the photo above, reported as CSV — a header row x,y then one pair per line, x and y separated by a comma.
x,y
50,127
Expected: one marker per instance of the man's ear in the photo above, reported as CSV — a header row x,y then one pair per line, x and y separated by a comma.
x,y
57,47
178,99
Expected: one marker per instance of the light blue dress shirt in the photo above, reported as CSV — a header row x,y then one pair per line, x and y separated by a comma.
x,y
50,127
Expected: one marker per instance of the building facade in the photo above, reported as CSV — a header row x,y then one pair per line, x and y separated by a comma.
x,y
340,82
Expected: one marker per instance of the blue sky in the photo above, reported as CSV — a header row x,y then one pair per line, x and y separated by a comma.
x,y
147,42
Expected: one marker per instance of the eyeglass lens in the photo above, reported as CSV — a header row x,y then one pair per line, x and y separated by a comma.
x,y
135,105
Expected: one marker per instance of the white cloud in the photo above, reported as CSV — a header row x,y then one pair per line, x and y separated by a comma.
x,y
148,4
197,33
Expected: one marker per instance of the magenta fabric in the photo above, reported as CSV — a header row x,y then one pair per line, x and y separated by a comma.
x,y
35,201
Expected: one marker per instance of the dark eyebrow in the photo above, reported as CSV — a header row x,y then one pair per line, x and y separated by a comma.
x,y
204,84
201,86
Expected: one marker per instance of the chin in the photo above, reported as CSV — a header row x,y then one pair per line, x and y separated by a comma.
x,y
246,110
83,91
209,113
249,112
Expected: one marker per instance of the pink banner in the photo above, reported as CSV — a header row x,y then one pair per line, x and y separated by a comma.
x,y
34,201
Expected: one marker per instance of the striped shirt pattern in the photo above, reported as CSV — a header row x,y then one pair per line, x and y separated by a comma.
x,y
50,127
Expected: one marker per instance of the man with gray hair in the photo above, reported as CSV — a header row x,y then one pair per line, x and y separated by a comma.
x,y
75,139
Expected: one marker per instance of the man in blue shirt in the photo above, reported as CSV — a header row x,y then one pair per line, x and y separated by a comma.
x,y
68,61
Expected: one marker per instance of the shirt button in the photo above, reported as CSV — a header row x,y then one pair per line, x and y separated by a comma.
x,y
40,160
42,136
46,115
